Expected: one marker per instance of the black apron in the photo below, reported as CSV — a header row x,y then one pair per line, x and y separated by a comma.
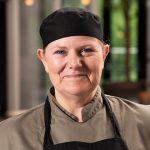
x,y
115,143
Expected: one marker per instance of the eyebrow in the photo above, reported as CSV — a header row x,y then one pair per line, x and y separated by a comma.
x,y
58,47
87,45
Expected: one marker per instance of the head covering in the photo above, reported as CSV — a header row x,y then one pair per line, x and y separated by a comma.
x,y
70,21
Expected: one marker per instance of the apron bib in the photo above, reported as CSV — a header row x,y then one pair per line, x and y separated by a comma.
x,y
115,143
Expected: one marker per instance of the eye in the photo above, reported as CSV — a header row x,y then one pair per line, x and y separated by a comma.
x,y
60,52
87,50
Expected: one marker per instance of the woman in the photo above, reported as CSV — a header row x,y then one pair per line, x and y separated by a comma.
x,y
76,114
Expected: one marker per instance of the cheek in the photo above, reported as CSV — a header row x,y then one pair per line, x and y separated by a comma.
x,y
55,66
96,64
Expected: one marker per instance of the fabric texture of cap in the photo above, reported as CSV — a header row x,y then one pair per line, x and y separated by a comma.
x,y
70,21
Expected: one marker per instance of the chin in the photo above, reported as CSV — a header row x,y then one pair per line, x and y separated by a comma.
x,y
79,91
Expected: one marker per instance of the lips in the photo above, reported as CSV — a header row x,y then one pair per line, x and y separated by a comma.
x,y
75,75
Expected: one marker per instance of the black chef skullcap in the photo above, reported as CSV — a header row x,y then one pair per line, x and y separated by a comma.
x,y
70,21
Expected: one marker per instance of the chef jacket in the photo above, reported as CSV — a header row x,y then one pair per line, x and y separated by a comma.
x,y
26,131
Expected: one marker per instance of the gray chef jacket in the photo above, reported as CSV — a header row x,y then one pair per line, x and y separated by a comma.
x,y
26,131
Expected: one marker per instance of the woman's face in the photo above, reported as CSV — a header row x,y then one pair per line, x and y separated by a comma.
x,y
74,64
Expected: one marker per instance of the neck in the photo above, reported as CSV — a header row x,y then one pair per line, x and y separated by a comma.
x,y
74,103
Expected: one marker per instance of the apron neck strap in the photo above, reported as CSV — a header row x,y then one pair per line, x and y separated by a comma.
x,y
48,142
111,116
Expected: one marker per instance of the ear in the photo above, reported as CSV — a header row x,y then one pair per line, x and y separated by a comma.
x,y
41,56
105,51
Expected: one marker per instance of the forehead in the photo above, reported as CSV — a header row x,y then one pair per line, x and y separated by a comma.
x,y
75,41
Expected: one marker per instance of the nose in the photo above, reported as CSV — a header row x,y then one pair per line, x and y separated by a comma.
x,y
74,61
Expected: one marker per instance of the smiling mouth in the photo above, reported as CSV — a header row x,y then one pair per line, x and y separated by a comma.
x,y
75,76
